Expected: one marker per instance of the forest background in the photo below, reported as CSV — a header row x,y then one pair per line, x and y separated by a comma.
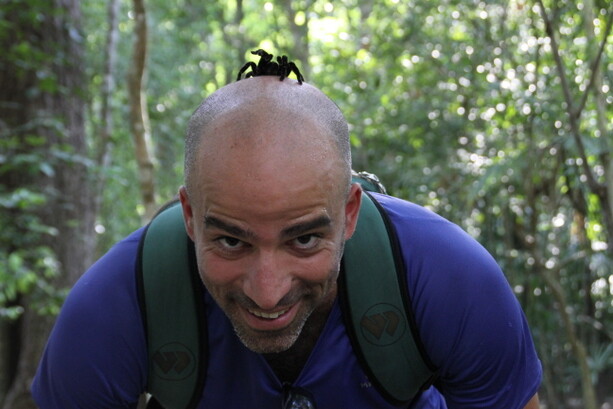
x,y
494,114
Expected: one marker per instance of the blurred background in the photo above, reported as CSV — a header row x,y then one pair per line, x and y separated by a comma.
x,y
495,114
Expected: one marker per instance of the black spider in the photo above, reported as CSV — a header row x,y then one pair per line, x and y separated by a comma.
x,y
283,67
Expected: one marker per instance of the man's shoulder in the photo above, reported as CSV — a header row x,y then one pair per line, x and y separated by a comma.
x,y
464,308
99,326
434,245
404,209
124,250
112,275
417,224
122,253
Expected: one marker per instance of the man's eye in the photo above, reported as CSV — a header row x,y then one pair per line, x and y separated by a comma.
x,y
229,243
306,242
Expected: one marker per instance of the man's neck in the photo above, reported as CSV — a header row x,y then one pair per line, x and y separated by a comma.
x,y
288,364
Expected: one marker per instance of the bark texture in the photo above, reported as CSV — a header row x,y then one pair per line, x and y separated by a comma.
x,y
139,118
44,99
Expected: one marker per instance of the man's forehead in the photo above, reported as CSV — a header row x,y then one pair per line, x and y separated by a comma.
x,y
245,124
263,148
262,101
268,87
259,91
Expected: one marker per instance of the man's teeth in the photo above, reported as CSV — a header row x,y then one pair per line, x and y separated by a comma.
x,y
269,316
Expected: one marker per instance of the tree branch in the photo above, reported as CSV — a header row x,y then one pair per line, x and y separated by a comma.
x,y
595,66
594,185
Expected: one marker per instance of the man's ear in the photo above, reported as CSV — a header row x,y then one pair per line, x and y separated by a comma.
x,y
188,212
352,209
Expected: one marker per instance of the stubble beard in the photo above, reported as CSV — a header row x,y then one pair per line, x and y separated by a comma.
x,y
269,342
314,308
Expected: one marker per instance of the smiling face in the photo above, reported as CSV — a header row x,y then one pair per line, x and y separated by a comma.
x,y
269,212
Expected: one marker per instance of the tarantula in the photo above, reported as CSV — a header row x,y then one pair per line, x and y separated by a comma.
x,y
283,67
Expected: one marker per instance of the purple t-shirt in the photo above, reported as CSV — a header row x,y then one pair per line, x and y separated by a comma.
x,y
469,320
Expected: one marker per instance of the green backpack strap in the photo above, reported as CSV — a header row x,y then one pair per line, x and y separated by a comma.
x,y
377,309
170,293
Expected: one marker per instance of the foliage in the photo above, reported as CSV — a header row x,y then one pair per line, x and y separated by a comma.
x,y
459,106
26,266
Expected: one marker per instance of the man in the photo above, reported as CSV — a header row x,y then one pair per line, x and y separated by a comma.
x,y
269,204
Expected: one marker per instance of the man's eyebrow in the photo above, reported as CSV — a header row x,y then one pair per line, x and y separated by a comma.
x,y
231,229
303,228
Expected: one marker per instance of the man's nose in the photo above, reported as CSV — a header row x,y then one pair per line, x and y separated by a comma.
x,y
269,279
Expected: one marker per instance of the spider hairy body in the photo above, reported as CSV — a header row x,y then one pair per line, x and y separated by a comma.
x,y
266,66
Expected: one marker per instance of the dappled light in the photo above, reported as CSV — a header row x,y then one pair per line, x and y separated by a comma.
x,y
498,115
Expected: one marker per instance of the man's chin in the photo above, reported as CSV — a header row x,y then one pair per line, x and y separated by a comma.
x,y
267,343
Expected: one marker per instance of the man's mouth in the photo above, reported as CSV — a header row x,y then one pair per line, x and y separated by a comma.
x,y
268,315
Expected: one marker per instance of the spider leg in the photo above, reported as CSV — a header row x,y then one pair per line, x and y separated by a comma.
x,y
245,67
281,67
292,68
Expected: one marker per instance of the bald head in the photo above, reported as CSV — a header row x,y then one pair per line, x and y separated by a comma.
x,y
261,103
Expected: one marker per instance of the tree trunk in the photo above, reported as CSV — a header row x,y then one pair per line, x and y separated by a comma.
x,y
549,378
578,347
300,34
103,146
139,118
233,37
42,98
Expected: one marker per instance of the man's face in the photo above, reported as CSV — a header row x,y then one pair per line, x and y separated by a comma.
x,y
269,223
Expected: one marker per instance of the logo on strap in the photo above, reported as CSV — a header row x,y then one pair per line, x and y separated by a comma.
x,y
383,325
173,361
